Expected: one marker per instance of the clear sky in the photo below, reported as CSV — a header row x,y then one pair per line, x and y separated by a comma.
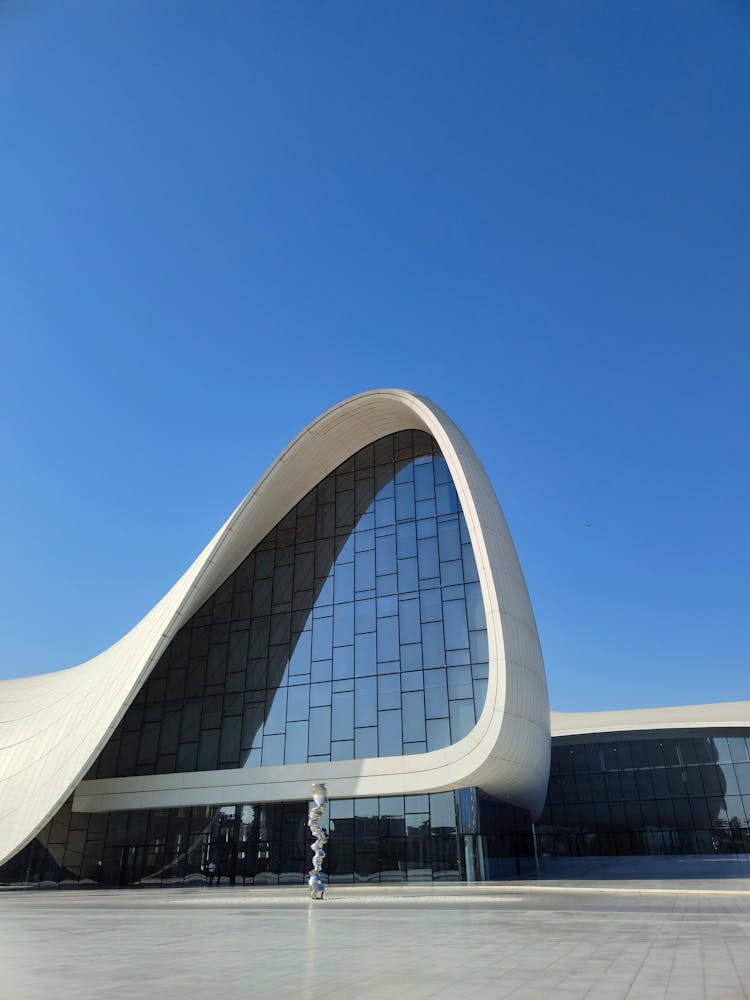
x,y
217,219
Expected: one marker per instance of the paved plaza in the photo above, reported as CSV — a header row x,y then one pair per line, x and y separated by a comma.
x,y
602,941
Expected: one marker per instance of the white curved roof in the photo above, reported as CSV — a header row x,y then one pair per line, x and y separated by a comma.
x,y
721,715
52,727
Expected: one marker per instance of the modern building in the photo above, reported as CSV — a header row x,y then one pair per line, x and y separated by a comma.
x,y
361,619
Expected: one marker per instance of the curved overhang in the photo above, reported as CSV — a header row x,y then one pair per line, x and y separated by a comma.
x,y
638,721
53,726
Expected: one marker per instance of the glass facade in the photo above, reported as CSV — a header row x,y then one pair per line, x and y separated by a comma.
x,y
684,793
355,629
670,794
398,838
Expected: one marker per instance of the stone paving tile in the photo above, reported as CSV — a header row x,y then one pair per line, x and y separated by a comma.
x,y
473,942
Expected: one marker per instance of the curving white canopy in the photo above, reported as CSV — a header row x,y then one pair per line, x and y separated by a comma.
x,y
53,726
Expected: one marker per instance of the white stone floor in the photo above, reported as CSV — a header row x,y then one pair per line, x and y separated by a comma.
x,y
599,941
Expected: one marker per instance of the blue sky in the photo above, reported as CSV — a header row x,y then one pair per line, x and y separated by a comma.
x,y
218,219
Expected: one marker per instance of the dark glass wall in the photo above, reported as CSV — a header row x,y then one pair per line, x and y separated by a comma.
x,y
355,629
398,838
668,794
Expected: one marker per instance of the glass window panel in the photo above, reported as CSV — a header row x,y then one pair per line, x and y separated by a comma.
x,y
605,786
436,694
169,733
296,743
412,704
425,508
320,694
342,749
721,748
480,694
229,747
342,725
442,812
459,683
446,499
343,662
639,753
462,718
321,670
405,509
454,622
385,555
687,751
276,711
676,780
208,750
365,743
703,750
366,701
407,575
343,624
433,651
300,659
728,780
478,646
386,585
427,528
387,606
451,573
385,512
409,625
389,733
365,571
388,646
343,583
273,750
431,605
389,691
693,781
645,786
429,565
365,658
669,752
411,657
298,703
471,574
320,730
661,784
322,639
364,541
364,616
738,748
712,777
280,630
735,810
743,777
238,647
683,816
449,540
412,681
406,540
424,488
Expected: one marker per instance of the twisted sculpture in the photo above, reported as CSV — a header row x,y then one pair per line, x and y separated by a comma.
x,y
320,797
